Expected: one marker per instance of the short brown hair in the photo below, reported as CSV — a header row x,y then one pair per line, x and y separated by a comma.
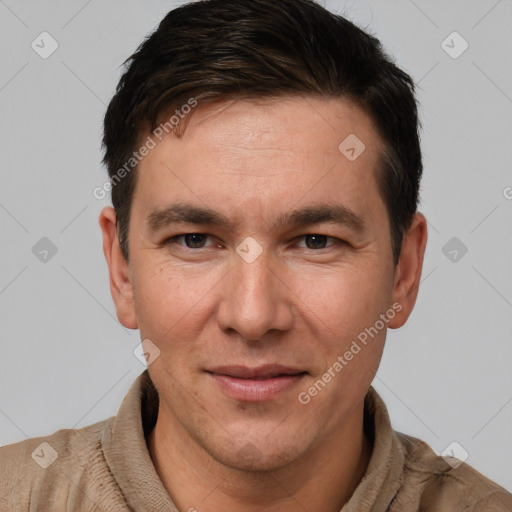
x,y
211,50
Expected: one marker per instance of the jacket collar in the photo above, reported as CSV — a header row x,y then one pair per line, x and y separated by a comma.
x,y
127,455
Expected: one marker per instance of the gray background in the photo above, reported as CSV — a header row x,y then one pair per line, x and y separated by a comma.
x,y
65,359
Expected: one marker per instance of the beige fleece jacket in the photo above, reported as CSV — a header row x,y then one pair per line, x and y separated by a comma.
x,y
107,467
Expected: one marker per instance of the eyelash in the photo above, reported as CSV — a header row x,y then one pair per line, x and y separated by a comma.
x,y
174,241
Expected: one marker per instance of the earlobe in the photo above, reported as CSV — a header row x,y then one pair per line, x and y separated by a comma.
x,y
121,286
408,271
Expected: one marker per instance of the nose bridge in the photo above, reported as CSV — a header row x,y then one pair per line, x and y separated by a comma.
x,y
252,277
252,286
253,300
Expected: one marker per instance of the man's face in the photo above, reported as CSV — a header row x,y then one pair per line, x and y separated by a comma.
x,y
251,312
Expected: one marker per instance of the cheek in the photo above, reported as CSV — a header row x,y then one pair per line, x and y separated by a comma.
x,y
165,298
344,302
175,304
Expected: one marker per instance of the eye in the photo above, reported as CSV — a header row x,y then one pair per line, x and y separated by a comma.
x,y
314,241
191,240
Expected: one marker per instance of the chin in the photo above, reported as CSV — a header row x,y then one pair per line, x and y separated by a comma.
x,y
256,457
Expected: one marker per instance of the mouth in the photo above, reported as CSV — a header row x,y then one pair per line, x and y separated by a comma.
x,y
257,384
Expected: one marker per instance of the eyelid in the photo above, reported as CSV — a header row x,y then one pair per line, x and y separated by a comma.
x,y
336,241
174,240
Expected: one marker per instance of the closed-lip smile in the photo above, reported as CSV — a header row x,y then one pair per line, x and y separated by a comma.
x,y
256,384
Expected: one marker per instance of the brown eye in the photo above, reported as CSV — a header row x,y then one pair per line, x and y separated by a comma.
x,y
189,240
194,240
316,241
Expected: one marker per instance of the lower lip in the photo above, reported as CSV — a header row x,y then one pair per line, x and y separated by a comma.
x,y
252,390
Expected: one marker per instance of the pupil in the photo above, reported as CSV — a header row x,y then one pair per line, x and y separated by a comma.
x,y
194,240
318,241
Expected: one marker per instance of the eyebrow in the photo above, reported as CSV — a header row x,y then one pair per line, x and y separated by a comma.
x,y
314,214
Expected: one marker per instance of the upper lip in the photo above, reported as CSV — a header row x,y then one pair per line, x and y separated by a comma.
x,y
266,371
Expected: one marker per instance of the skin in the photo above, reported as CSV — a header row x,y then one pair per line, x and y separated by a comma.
x,y
297,304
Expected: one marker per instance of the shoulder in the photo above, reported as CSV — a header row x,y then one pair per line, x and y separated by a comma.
x,y
29,468
447,483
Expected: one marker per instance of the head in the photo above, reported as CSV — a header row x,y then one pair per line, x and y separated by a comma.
x,y
270,220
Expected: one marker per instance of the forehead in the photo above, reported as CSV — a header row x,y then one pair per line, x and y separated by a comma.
x,y
268,154
290,126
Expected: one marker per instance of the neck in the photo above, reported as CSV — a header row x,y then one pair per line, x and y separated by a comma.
x,y
323,478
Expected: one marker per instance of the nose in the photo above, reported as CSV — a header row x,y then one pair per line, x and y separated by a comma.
x,y
255,299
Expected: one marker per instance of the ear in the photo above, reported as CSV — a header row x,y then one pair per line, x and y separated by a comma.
x,y
408,270
120,281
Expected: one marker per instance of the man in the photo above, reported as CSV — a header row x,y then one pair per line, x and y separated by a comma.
x,y
264,164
